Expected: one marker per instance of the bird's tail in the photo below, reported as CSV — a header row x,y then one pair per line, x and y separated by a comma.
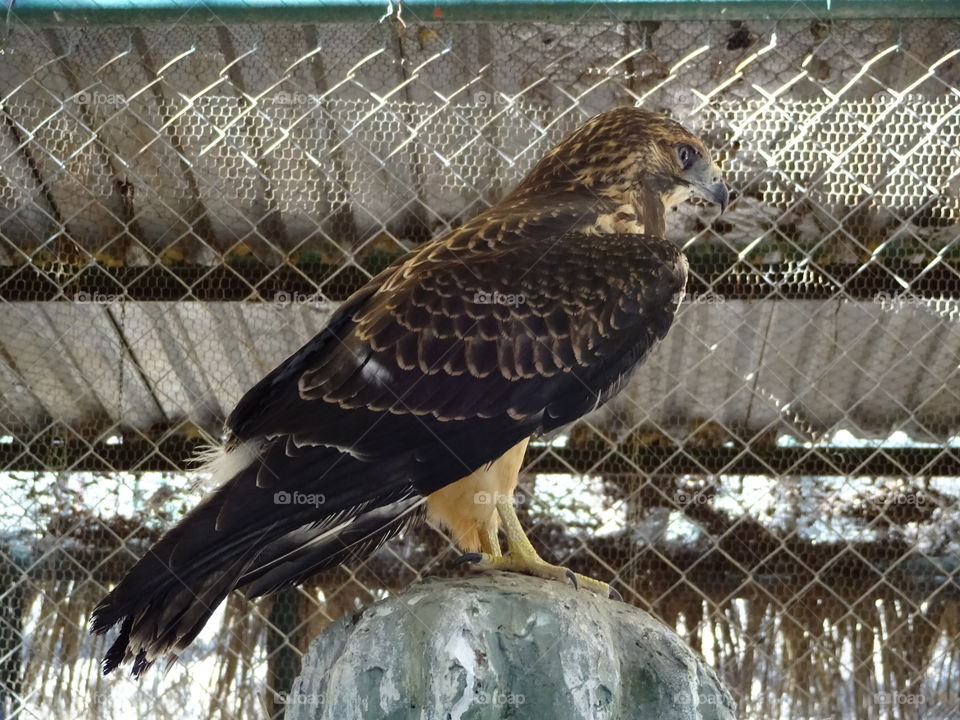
x,y
247,533
310,550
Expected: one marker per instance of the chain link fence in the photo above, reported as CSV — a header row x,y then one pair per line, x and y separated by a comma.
x,y
181,206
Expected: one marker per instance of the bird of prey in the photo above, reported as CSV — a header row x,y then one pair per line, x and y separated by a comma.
x,y
419,396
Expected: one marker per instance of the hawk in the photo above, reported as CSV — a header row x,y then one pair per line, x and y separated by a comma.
x,y
418,398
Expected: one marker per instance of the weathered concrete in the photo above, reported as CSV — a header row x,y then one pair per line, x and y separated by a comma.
x,y
503,646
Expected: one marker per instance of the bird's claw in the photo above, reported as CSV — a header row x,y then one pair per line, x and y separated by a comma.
x,y
482,561
467,558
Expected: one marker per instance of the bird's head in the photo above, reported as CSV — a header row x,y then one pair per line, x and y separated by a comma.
x,y
626,155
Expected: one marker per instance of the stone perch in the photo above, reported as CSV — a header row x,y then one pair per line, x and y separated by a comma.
x,y
503,646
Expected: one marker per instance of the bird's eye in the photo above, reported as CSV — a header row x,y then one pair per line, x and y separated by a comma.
x,y
686,155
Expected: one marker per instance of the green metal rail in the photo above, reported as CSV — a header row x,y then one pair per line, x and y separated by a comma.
x,y
140,12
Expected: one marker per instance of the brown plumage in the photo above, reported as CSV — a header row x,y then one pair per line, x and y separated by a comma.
x,y
428,382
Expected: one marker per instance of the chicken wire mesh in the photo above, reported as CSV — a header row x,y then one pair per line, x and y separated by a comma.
x,y
182,206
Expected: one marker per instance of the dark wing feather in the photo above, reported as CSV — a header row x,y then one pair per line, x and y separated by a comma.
x,y
311,549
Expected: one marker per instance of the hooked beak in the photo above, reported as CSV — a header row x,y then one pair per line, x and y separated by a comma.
x,y
707,181
716,192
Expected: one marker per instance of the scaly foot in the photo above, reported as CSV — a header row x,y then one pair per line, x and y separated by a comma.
x,y
522,557
537,567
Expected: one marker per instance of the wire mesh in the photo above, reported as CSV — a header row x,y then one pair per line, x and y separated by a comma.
x,y
182,206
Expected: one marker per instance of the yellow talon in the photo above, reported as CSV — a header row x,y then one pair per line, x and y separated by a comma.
x,y
522,557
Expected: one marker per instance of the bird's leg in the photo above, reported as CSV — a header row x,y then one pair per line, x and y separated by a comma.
x,y
522,557
489,542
